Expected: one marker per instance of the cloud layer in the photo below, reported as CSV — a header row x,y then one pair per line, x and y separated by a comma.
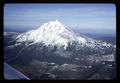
x,y
82,16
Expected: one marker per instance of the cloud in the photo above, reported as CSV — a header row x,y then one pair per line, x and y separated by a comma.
x,y
73,15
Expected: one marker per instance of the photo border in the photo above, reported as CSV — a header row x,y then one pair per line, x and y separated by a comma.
x,y
116,2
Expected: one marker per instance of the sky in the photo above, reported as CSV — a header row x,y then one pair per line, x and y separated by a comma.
x,y
85,17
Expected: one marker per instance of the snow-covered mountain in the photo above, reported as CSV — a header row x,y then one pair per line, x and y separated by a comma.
x,y
55,33
53,51
51,33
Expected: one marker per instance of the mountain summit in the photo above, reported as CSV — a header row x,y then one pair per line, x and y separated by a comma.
x,y
51,33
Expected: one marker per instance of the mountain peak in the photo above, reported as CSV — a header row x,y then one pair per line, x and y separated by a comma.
x,y
52,26
51,33
55,23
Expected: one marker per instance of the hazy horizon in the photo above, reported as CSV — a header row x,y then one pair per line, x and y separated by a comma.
x,y
98,18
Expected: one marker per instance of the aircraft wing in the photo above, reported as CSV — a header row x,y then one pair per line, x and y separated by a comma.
x,y
11,73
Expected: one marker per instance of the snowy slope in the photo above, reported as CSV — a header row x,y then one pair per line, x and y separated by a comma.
x,y
55,33
51,33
